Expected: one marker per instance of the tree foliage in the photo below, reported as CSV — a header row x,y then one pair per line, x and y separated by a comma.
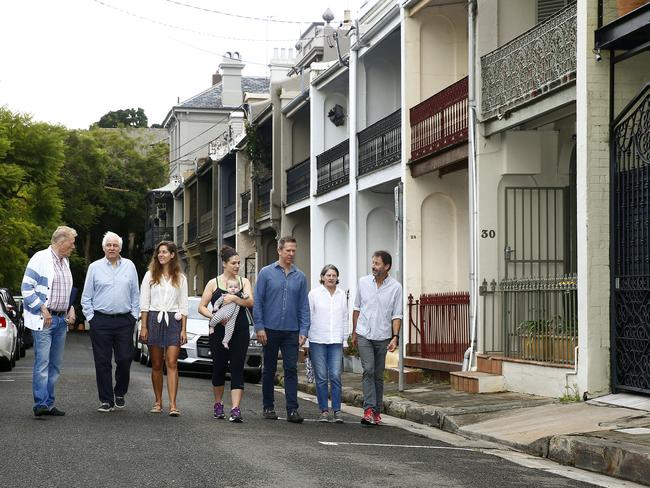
x,y
129,117
31,157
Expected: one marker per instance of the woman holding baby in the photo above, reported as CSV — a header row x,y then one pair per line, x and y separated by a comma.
x,y
163,306
217,292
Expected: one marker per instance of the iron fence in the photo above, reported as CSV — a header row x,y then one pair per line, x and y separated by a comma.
x,y
180,234
439,326
380,144
229,218
533,319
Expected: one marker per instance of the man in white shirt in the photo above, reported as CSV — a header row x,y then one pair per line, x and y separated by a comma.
x,y
376,320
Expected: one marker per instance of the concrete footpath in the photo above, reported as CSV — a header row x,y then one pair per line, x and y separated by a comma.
x,y
609,439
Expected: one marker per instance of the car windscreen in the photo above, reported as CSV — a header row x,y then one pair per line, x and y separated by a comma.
x,y
193,310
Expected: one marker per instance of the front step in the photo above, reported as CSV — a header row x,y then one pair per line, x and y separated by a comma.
x,y
476,382
411,376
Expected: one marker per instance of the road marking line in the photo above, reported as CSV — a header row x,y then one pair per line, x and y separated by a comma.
x,y
370,444
7,380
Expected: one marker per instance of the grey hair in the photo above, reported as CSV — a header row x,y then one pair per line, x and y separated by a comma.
x,y
111,235
62,233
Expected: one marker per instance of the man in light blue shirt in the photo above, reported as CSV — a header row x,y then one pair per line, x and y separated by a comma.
x,y
281,315
111,304
376,321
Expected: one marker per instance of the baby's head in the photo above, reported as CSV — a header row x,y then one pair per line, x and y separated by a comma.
x,y
232,286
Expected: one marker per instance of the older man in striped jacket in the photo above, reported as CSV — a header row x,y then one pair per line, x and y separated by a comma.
x,y
47,291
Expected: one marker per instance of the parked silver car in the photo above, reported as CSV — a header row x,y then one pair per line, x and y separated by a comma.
x,y
196,353
9,347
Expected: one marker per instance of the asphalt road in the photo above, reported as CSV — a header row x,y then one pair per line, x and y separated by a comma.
x,y
132,447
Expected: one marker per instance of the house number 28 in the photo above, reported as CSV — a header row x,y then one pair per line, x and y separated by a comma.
x,y
488,233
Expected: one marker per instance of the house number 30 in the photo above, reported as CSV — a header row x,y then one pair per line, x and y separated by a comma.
x,y
488,233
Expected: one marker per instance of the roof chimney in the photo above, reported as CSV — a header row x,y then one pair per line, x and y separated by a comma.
x,y
282,61
231,91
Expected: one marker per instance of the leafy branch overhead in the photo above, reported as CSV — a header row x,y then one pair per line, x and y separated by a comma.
x,y
259,153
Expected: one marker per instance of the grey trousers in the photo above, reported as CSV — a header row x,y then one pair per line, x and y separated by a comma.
x,y
373,360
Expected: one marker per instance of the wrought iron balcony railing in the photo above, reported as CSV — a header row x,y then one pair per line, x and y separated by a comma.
x,y
154,235
530,66
245,198
180,234
264,196
333,167
380,144
439,122
205,223
298,182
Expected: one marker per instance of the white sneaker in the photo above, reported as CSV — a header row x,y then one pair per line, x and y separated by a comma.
x,y
324,416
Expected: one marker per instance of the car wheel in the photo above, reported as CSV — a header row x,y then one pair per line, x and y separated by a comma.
x,y
5,364
253,376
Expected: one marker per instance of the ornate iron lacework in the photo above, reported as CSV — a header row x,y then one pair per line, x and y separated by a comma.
x,y
380,144
530,66
631,243
333,167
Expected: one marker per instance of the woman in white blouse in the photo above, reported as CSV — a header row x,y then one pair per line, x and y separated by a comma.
x,y
163,304
327,334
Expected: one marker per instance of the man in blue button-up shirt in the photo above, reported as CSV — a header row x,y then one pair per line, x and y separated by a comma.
x,y
111,303
281,315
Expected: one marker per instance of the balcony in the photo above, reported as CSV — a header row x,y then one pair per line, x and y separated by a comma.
x,y
192,231
245,198
180,234
533,65
380,144
264,197
298,182
229,218
440,122
154,235
205,223
333,167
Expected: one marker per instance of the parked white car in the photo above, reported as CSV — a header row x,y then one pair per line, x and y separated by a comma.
x,y
8,340
196,353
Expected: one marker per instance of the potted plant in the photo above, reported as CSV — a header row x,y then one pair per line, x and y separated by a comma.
x,y
535,339
351,361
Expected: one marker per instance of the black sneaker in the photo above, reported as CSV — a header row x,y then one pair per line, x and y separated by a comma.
x,y
42,410
270,414
294,417
55,412
120,402
105,407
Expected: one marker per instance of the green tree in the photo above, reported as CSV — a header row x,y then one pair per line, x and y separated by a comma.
x,y
31,157
109,173
129,117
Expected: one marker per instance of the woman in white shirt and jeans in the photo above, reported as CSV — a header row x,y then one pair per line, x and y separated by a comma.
x,y
327,334
163,306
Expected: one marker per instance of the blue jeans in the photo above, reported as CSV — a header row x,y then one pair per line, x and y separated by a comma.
x,y
327,360
48,357
373,361
287,342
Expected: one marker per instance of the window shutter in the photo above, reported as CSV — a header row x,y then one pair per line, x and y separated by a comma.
x,y
548,8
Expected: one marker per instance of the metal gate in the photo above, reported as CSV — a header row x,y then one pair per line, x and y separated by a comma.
x,y
630,246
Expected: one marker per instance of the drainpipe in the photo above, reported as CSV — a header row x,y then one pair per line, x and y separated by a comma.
x,y
352,134
473,189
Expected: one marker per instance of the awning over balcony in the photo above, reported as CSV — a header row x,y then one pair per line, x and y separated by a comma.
x,y
629,32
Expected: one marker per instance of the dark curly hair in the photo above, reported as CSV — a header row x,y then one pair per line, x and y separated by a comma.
x,y
227,252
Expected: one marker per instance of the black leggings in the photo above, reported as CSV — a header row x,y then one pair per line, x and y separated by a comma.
x,y
236,355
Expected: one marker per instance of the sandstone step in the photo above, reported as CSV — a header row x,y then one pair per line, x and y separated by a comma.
x,y
411,376
476,382
488,364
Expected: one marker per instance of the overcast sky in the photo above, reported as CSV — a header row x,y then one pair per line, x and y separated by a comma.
x,y
71,61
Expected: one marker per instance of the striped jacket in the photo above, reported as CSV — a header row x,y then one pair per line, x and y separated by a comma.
x,y
36,286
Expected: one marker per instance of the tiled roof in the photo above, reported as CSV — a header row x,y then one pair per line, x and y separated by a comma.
x,y
211,98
